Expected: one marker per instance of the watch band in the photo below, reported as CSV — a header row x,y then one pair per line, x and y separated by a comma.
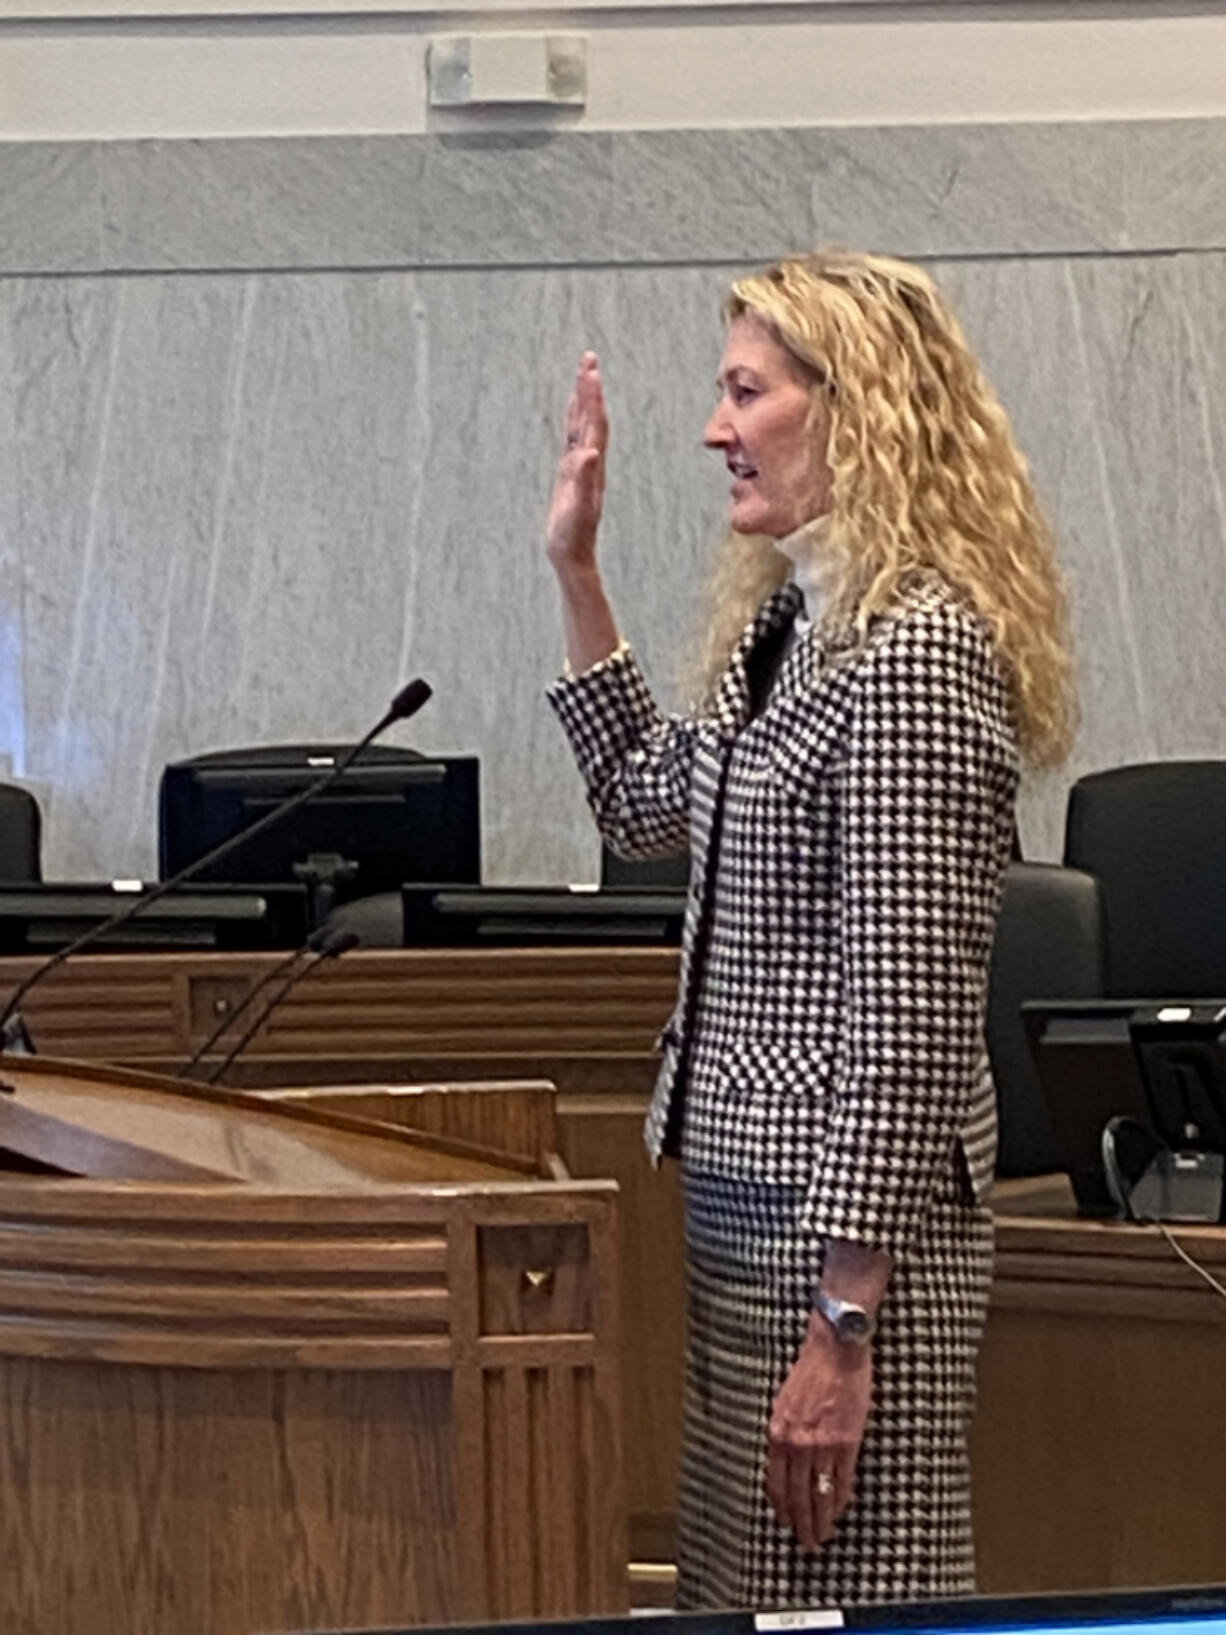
x,y
852,1324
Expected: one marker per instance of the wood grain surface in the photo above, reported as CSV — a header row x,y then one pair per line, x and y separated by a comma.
x,y
99,1120
140,1501
1100,1441
511,1118
229,1408
584,1019
507,1002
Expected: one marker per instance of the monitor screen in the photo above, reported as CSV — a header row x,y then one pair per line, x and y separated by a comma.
x,y
395,815
1181,1047
39,917
1163,1064
515,916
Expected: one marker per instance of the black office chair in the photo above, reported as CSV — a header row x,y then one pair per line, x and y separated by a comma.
x,y
21,828
378,919
1048,945
1155,837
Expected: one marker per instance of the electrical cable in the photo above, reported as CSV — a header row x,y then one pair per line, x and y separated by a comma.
x,y
1119,1190
1189,1261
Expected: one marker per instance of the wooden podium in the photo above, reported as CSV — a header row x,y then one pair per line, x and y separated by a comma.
x,y
281,1367
585,1019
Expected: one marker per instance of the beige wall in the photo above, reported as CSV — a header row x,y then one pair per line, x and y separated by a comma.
x,y
75,69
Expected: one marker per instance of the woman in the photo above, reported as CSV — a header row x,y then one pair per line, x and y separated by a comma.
x,y
886,643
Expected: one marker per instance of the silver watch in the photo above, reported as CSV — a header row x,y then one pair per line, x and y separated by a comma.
x,y
851,1323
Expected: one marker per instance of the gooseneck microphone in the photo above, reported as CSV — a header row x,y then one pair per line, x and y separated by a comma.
x,y
332,945
406,703
313,945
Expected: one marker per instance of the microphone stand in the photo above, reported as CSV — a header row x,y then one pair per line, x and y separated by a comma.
x,y
337,943
312,945
407,702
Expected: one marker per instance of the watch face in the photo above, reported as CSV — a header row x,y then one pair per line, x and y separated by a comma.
x,y
855,1325
851,1323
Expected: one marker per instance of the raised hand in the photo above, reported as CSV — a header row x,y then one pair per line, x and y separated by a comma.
x,y
578,490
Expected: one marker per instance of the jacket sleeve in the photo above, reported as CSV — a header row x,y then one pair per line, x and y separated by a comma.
x,y
931,776
635,760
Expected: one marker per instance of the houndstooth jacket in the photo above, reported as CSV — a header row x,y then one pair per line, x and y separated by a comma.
x,y
848,847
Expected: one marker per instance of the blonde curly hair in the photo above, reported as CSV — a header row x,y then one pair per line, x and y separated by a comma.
x,y
926,477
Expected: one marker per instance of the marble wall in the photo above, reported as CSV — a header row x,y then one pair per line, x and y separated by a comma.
x,y
278,420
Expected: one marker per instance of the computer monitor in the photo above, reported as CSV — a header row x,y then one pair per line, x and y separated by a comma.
x,y
1181,1046
395,814
43,916
1160,1063
526,917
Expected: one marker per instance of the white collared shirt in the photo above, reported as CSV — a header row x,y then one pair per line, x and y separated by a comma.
x,y
803,548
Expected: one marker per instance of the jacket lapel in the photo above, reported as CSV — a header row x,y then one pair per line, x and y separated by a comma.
x,y
733,701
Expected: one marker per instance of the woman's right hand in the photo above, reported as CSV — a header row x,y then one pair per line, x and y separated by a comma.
x,y
578,490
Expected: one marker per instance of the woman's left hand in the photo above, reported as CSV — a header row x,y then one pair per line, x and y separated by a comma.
x,y
816,1428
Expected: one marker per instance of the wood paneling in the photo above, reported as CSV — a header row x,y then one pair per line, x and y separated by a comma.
x,y
540,1543
583,1019
603,1135
100,1120
228,1408
534,1280
1100,1440
420,1003
508,1118
139,1501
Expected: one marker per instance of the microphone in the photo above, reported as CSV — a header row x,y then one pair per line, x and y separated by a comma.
x,y
332,945
406,703
314,944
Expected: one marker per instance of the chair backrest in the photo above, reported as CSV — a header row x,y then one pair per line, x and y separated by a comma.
x,y
378,919
1048,946
1155,837
20,835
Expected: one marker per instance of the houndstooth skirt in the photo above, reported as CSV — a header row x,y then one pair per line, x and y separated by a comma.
x,y
907,1532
